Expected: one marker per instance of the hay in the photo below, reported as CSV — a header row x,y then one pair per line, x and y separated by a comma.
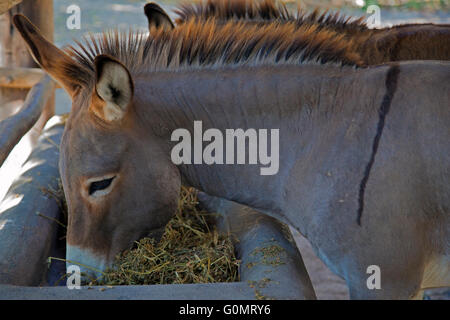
x,y
190,251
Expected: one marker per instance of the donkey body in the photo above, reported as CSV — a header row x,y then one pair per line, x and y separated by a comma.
x,y
375,46
364,161
359,176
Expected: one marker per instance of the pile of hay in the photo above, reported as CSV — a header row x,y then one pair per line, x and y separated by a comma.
x,y
190,251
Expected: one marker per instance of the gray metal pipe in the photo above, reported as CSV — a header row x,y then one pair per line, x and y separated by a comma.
x,y
29,212
271,263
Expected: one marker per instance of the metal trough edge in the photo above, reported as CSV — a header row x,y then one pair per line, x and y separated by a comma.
x,y
28,213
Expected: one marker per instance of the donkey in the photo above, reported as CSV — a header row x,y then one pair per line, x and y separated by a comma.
x,y
376,46
364,161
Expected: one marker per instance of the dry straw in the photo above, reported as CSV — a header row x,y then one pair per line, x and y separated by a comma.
x,y
190,251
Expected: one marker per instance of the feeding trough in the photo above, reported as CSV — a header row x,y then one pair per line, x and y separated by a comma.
x,y
270,264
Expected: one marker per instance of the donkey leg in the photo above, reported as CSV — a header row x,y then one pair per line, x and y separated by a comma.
x,y
391,271
384,258
419,295
407,290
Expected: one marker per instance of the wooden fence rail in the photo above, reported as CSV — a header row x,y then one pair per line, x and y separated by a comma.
x,y
12,129
20,78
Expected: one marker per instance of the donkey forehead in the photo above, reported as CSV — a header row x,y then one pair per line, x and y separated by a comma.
x,y
87,149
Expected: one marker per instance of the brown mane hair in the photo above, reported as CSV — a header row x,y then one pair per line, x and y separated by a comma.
x,y
375,46
262,11
199,44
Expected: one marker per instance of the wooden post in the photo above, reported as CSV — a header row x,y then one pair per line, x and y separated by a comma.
x,y
5,5
14,53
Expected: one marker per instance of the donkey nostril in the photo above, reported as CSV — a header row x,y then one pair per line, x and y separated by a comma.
x,y
100,185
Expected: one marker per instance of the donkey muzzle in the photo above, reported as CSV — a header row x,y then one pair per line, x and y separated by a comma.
x,y
83,263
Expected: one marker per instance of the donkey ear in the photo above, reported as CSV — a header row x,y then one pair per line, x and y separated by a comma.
x,y
157,17
48,56
114,87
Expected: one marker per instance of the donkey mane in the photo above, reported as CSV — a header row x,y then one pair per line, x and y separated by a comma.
x,y
233,9
266,10
375,46
200,44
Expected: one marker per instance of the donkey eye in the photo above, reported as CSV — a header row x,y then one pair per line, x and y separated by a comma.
x,y
100,185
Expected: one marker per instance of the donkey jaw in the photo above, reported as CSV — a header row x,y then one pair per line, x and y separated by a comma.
x,y
90,265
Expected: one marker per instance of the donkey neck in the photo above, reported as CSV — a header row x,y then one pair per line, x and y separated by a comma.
x,y
302,102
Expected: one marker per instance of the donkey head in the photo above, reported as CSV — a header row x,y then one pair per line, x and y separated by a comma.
x,y
116,190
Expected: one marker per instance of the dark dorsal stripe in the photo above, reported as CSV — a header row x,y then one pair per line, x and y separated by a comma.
x,y
391,87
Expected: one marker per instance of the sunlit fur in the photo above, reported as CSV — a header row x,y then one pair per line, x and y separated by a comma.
x,y
375,46
201,44
266,10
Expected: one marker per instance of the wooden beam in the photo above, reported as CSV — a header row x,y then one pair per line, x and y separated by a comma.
x,y
13,128
5,5
20,78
